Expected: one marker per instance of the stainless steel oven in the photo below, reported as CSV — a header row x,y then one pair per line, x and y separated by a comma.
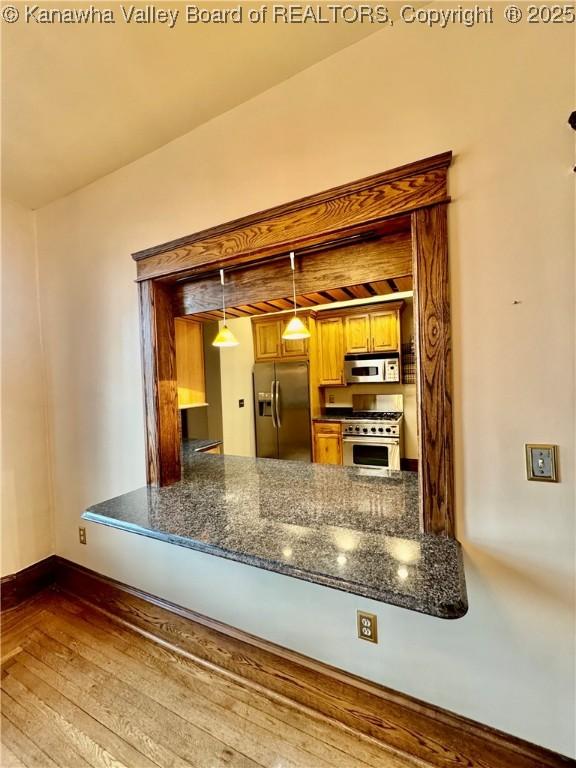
x,y
372,453
361,369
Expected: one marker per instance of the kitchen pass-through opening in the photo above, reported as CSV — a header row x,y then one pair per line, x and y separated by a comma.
x,y
341,391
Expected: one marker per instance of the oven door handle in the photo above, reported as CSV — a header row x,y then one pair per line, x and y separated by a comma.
x,y
372,440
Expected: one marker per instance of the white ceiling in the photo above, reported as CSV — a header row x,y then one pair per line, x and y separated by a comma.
x,y
80,101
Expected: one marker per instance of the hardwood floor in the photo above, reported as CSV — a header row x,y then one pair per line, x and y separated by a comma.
x,y
80,689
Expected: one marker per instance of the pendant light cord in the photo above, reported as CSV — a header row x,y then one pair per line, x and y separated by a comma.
x,y
293,281
222,283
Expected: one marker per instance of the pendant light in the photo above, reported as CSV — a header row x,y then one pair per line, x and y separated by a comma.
x,y
224,337
295,329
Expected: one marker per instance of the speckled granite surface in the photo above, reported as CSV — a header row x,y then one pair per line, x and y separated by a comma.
x,y
328,525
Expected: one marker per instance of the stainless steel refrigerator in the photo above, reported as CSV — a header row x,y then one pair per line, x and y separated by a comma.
x,y
282,411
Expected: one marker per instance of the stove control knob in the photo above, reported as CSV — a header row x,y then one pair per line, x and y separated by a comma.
x,y
388,429
373,429
365,429
357,429
380,429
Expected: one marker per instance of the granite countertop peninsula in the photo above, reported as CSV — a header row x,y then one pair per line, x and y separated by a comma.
x,y
329,525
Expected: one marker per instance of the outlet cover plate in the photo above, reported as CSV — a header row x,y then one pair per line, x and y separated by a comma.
x,y
541,462
367,624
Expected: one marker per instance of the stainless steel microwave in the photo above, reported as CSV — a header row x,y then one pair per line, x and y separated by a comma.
x,y
371,370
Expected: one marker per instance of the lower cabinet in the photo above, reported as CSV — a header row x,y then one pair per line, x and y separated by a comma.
x,y
327,442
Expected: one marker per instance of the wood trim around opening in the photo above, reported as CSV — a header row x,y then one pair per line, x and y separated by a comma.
x,y
410,727
331,215
434,367
410,200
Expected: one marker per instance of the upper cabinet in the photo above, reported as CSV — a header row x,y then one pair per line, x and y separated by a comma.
x,y
357,333
357,330
330,335
373,331
189,342
385,331
268,341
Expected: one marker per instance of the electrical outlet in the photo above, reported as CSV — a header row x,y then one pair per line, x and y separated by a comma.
x,y
241,403
541,463
331,399
81,534
367,626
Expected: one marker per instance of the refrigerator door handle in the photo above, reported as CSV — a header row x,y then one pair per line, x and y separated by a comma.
x,y
272,404
277,401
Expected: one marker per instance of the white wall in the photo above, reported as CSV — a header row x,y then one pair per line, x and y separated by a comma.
x,y
26,516
499,97
236,366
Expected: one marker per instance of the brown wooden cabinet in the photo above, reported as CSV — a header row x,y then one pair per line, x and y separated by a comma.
x,y
294,348
357,333
189,341
330,336
268,341
384,331
375,331
327,448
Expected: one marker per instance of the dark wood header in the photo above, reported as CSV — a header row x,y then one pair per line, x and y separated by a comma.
x,y
347,209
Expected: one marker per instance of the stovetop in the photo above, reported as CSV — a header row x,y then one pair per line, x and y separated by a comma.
x,y
373,416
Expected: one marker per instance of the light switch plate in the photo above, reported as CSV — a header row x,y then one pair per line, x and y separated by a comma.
x,y
367,626
541,462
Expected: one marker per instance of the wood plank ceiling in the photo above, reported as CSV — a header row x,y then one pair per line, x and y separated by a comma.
x,y
308,300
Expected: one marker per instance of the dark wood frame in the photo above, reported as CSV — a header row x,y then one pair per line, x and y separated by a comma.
x,y
416,193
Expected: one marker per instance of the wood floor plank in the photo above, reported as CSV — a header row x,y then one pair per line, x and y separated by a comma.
x,y
109,704
40,729
254,741
24,690
8,759
326,741
166,738
16,636
104,726
103,748
163,701
25,749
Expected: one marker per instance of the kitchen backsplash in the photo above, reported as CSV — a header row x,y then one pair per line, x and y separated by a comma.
x,y
341,397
